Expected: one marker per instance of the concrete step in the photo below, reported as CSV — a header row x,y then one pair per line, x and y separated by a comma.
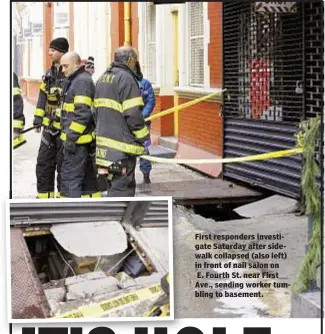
x,y
162,152
168,142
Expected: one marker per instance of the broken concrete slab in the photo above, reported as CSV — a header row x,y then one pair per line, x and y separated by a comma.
x,y
306,305
138,309
54,306
54,284
71,306
55,294
141,282
122,276
91,239
152,279
154,242
134,310
274,205
106,296
75,295
85,277
95,287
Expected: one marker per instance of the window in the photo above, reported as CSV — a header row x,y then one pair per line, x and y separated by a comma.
x,y
31,40
196,43
61,20
151,53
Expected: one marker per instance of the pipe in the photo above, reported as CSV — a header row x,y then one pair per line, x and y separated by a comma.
x,y
127,23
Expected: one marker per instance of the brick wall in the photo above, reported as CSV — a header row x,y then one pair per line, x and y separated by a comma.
x,y
163,126
156,124
201,126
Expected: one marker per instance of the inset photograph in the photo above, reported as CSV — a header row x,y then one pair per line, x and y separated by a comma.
x,y
102,258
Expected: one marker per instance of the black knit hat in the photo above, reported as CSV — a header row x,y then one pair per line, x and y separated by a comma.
x,y
60,44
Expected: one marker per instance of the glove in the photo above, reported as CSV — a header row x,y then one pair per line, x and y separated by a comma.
x,y
70,146
37,122
146,151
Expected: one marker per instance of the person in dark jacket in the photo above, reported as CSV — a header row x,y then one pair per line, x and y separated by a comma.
x,y
90,65
149,100
78,131
46,116
19,118
120,127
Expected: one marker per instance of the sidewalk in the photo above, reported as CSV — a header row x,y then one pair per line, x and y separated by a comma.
x,y
274,303
24,164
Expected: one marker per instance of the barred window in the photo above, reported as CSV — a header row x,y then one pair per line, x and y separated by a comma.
x,y
196,43
151,41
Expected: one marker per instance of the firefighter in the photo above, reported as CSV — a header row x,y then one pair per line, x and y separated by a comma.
x,y
101,179
149,100
19,118
120,127
90,65
78,131
46,115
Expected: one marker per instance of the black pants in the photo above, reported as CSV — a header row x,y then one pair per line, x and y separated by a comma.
x,y
124,185
78,172
47,163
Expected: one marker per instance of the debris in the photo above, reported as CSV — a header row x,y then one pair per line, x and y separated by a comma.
x,y
88,289
55,294
273,205
91,239
141,282
54,306
86,277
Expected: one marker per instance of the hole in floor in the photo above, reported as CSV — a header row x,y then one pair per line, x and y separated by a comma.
x,y
218,212
69,281
52,262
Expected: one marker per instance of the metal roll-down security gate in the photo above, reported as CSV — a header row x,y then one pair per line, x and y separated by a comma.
x,y
273,71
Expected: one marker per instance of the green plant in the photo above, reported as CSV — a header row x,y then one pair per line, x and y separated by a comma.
x,y
309,139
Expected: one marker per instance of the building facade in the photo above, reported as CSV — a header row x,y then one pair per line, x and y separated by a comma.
x,y
192,49
180,50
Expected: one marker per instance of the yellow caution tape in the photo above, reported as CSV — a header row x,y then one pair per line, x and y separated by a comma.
x,y
263,156
19,141
103,308
183,106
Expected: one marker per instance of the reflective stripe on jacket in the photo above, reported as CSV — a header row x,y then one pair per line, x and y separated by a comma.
x,y
19,118
49,98
120,127
77,120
